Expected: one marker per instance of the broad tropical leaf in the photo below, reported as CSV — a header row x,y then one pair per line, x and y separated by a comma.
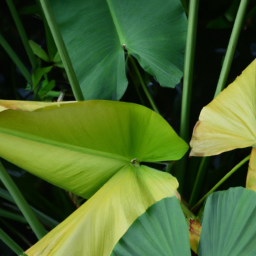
x,y
229,224
80,146
87,147
96,227
229,121
161,230
96,32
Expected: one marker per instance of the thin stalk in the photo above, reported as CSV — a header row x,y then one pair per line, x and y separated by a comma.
x,y
231,46
220,86
21,203
188,69
62,49
10,243
51,47
15,232
22,34
199,180
41,216
187,83
221,181
151,101
15,59
137,89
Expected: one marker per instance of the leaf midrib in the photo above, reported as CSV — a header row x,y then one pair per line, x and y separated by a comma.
x,y
66,146
115,21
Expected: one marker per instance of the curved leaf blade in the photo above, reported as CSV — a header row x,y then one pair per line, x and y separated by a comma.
x,y
229,121
96,227
161,230
95,33
229,224
80,146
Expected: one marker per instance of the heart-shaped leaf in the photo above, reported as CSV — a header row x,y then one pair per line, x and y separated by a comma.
x,y
96,33
80,146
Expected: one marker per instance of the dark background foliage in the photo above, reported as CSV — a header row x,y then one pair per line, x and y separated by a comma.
x,y
215,24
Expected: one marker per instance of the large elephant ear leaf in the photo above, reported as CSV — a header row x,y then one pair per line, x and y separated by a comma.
x,y
161,230
98,32
229,224
93,149
96,227
80,146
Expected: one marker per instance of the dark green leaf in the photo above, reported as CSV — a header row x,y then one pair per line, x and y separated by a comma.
x,y
229,224
161,231
96,32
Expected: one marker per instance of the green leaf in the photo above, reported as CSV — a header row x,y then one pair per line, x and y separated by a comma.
x,y
108,214
46,87
96,32
229,224
57,57
38,51
161,230
80,146
38,74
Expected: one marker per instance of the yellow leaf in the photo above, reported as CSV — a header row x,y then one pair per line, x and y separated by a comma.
x,y
28,105
96,227
229,121
251,175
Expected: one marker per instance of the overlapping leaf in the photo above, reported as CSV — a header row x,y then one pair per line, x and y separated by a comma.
x,y
229,121
80,146
161,230
229,224
96,32
96,227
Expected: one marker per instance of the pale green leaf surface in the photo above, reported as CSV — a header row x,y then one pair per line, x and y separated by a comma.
x,y
161,231
96,226
28,105
80,146
229,224
95,31
38,51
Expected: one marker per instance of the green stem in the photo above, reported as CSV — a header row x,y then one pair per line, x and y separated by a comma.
x,y
22,33
10,243
21,203
12,216
15,59
199,180
187,83
188,69
15,232
221,84
41,216
62,49
143,84
51,47
221,181
231,47
137,89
